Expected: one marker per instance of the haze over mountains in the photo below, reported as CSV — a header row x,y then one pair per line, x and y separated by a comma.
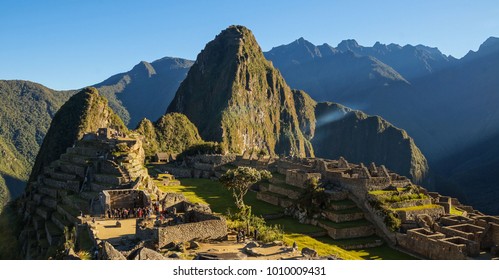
x,y
447,105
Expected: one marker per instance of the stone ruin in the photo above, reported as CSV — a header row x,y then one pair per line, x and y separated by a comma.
x,y
101,169
430,232
127,198
186,222
207,166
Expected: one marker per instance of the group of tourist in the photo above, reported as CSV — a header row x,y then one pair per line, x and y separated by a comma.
x,y
169,217
126,213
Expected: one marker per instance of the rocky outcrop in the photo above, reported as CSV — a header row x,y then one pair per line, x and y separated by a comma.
x,y
146,254
358,137
235,96
110,253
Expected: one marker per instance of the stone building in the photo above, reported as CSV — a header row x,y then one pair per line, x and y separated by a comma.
x,y
185,222
428,228
101,169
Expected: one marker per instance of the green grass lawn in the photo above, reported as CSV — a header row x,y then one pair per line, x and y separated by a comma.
x,y
220,199
291,225
382,192
421,207
210,192
455,211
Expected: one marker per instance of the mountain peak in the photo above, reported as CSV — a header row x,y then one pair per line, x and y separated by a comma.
x,y
84,112
303,41
234,96
349,44
144,68
491,44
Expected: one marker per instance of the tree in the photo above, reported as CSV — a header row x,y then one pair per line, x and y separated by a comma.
x,y
239,181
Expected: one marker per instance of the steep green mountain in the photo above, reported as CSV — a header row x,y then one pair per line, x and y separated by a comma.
x,y
26,109
14,171
146,90
305,108
172,133
84,112
328,74
358,137
235,96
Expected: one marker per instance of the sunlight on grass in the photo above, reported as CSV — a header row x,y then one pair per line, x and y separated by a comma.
x,y
455,211
210,192
322,249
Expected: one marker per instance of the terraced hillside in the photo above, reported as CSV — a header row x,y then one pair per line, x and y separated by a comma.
x,y
305,235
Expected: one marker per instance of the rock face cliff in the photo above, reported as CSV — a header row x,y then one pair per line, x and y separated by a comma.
x,y
358,137
84,112
172,133
235,96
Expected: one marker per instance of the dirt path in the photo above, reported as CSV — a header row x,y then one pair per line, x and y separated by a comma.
x,y
107,230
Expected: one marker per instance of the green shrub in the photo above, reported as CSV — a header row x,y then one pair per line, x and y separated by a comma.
x,y
84,255
392,221
248,222
203,148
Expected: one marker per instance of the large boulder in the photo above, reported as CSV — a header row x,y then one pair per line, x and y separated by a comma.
x,y
146,254
110,253
307,252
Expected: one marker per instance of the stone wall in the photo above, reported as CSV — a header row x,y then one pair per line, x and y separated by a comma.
x,y
204,230
113,199
284,191
410,215
428,244
297,178
179,172
274,199
170,199
352,232
410,203
467,231
338,218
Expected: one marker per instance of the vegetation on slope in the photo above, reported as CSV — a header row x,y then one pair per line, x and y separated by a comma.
x,y
25,113
305,108
146,90
84,112
10,228
172,133
213,193
235,96
361,138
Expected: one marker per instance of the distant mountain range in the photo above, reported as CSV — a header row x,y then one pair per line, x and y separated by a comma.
x,y
446,104
146,90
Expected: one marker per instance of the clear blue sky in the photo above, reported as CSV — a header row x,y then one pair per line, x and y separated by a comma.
x,y
69,44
